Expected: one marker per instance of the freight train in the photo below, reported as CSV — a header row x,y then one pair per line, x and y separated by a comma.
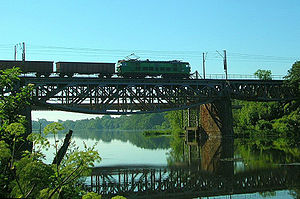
x,y
125,68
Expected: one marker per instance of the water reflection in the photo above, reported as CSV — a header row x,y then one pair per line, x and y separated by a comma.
x,y
267,152
134,137
187,182
211,167
120,147
217,156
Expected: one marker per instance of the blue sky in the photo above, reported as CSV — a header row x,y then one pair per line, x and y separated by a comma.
x,y
257,34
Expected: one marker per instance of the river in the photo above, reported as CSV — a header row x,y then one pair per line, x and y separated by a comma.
x,y
169,167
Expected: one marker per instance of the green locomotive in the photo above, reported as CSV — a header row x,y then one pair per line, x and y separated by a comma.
x,y
139,69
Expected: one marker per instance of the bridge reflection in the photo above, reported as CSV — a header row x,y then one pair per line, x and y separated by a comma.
x,y
207,171
187,182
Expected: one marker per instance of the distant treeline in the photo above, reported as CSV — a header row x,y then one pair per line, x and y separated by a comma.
x,y
132,122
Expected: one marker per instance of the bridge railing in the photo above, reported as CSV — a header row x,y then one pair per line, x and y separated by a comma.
x,y
197,75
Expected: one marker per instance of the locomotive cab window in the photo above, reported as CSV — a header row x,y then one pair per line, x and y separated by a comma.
x,y
150,68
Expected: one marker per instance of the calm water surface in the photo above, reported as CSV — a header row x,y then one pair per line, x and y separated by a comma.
x,y
240,168
122,148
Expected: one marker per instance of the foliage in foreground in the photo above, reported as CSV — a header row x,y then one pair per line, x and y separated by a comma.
x,y
23,173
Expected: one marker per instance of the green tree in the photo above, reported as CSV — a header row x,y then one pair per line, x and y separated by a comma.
x,y
175,120
91,195
27,175
13,101
263,74
293,79
278,118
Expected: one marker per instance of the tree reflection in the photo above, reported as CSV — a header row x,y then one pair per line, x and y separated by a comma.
x,y
134,137
266,152
232,158
214,154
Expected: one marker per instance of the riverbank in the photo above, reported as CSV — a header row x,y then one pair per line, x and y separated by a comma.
x,y
150,133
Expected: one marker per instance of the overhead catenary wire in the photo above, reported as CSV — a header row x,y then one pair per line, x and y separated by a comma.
x,y
189,52
151,54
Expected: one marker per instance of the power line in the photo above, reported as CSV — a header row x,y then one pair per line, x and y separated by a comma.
x,y
161,54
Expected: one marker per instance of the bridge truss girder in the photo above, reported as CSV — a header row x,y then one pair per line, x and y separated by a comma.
x,y
127,96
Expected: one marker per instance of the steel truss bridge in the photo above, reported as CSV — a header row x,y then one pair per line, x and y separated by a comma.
x,y
117,96
175,182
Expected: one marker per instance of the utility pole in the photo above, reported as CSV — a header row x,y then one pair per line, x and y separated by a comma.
x,y
15,53
225,65
224,62
23,54
203,65
20,46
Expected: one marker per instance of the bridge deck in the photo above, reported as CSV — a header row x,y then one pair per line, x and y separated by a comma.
x,y
124,96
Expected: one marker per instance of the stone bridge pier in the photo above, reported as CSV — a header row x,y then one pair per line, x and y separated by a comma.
x,y
216,118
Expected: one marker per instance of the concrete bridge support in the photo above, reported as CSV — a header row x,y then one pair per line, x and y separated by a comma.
x,y
216,118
